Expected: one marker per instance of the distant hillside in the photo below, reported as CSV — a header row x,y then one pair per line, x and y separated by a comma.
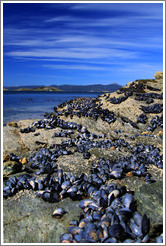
x,y
89,88
47,88
43,88
26,87
67,88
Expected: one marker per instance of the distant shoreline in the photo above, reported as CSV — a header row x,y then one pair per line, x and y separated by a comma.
x,y
36,91
66,88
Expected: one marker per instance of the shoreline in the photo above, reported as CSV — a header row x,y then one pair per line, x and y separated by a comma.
x,y
28,106
85,141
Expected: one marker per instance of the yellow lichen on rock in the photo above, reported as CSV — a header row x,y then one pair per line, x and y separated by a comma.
x,y
24,161
145,133
158,75
13,124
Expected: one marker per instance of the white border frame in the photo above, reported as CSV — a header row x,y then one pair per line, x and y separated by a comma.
x,y
100,1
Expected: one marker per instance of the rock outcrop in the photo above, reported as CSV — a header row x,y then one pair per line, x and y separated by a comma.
x,y
27,219
158,75
118,117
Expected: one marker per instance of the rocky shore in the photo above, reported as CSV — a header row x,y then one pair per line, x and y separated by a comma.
x,y
100,159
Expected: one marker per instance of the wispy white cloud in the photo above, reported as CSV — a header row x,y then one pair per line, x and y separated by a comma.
x,y
121,21
75,35
82,40
140,20
75,67
61,19
87,37
69,60
77,53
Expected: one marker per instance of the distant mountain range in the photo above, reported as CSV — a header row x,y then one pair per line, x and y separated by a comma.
x,y
67,88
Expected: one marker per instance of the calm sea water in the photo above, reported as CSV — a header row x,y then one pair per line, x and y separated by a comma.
x,y
32,105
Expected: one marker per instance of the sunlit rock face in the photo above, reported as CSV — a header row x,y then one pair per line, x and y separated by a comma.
x,y
158,75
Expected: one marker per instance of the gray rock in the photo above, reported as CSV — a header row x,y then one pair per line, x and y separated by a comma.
x,y
28,219
11,140
149,199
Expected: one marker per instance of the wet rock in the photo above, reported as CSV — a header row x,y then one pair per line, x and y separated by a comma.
x,y
75,163
28,219
150,201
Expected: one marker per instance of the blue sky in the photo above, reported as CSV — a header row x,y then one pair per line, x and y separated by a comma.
x,y
81,43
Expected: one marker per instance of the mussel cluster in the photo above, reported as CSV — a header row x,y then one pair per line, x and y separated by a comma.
x,y
110,216
118,100
15,184
87,108
13,157
51,122
142,119
154,109
155,122
102,170
109,212
147,96
132,123
136,164
128,93
45,160
149,101
63,133
152,88
146,154
86,140
83,141
27,130
133,87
